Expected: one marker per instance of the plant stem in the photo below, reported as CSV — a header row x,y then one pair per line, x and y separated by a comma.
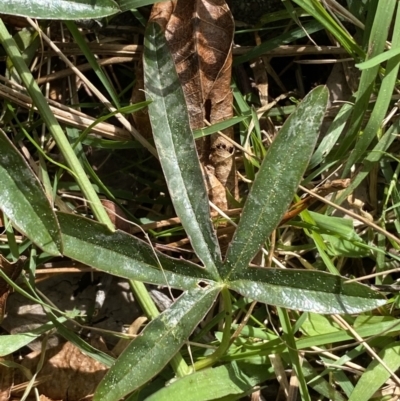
x,y
226,334
293,353
12,243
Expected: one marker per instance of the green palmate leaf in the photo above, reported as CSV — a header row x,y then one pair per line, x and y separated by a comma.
x,y
123,255
159,342
24,202
276,182
306,290
176,148
234,379
60,9
376,375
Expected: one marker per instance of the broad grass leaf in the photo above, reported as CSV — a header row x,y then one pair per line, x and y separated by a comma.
x,y
316,324
210,384
384,324
341,247
332,225
319,383
277,180
24,202
376,375
339,236
306,290
176,148
60,9
379,59
154,348
123,255
331,136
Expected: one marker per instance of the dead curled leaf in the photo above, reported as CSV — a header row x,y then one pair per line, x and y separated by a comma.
x,y
199,34
73,375
116,215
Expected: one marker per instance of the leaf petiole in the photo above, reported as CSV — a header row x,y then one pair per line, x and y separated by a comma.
x,y
226,334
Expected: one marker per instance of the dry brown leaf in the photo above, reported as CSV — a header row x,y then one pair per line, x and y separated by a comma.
x,y
215,188
116,215
199,34
12,270
74,375
141,117
44,398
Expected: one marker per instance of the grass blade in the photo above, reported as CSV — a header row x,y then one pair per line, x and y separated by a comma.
x,y
388,82
285,38
79,39
234,379
316,9
376,45
47,115
376,375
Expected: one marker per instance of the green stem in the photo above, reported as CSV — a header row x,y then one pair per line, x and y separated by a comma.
x,y
226,334
293,353
92,61
40,102
142,296
12,243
